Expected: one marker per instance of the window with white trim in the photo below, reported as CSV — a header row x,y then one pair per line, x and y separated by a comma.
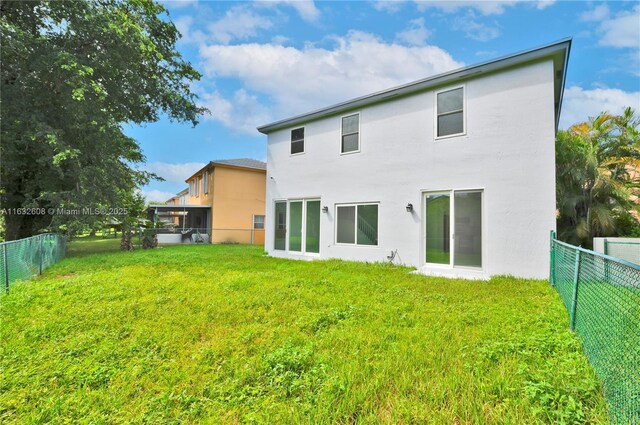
x,y
297,141
350,134
450,112
192,190
357,224
205,182
258,222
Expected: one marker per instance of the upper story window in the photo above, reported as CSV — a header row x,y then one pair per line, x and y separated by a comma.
x,y
350,134
197,186
297,141
205,182
192,188
450,112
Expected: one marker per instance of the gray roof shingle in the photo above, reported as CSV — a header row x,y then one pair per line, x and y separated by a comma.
x,y
242,162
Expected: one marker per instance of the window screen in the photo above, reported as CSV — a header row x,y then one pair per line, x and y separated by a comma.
x,y
350,133
258,222
450,112
280,226
357,224
346,225
297,140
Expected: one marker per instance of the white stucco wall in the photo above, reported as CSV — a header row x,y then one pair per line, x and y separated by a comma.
x,y
508,151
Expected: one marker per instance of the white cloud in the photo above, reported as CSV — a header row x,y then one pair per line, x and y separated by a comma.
x,y
174,172
156,195
306,8
299,80
485,7
623,30
391,6
543,4
279,39
238,23
184,24
598,13
416,34
620,30
580,104
475,30
241,113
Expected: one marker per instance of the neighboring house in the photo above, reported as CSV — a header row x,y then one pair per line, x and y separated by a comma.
x,y
453,174
225,201
175,217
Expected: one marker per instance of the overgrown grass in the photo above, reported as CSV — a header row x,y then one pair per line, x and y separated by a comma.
x,y
224,334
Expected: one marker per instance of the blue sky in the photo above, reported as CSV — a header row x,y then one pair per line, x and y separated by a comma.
x,y
266,60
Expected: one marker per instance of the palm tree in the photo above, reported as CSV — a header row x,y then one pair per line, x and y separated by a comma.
x,y
596,163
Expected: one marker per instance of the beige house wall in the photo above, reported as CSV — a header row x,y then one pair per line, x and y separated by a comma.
x,y
201,198
238,195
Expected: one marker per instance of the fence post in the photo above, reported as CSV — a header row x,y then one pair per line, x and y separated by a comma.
x,y
6,267
552,260
606,263
41,253
574,301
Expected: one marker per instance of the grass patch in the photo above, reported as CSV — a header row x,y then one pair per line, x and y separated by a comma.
x,y
225,334
88,245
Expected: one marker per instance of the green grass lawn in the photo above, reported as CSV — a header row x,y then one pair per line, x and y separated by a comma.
x,y
225,334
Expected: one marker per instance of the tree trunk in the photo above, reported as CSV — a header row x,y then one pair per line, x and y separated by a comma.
x,y
126,242
19,227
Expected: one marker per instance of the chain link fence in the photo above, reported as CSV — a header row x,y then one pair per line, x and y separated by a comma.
x,y
23,259
602,295
204,235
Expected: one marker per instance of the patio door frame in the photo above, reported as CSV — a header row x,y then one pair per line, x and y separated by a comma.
x,y
303,236
452,228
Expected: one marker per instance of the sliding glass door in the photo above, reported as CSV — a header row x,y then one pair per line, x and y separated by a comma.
x,y
301,232
312,227
438,233
456,242
468,229
295,226
280,226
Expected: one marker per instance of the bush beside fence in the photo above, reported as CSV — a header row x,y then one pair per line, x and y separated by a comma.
x,y
602,295
25,258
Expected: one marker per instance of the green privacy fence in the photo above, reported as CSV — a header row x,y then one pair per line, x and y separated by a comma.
x,y
24,258
602,295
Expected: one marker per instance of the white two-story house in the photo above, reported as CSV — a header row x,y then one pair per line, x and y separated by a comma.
x,y
453,174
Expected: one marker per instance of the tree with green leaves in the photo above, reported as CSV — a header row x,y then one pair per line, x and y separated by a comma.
x,y
73,72
598,178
